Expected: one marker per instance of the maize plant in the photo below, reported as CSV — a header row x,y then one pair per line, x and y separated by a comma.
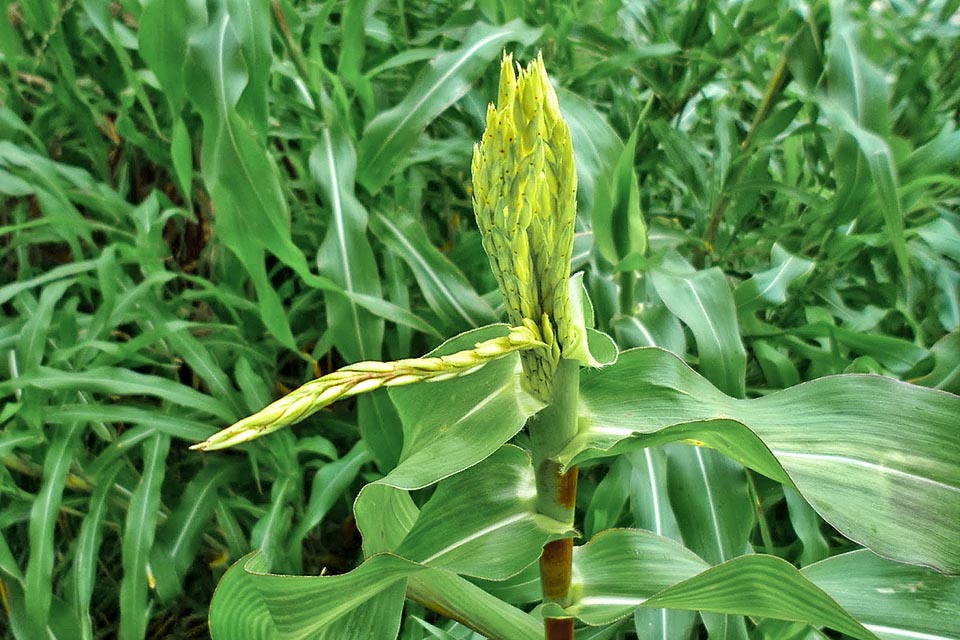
x,y
493,546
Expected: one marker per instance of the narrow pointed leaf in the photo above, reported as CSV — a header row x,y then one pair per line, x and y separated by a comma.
x,y
43,519
703,301
345,256
138,536
769,287
330,482
390,135
84,570
444,286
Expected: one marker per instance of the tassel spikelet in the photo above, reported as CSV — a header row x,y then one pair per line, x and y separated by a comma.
x,y
362,377
524,199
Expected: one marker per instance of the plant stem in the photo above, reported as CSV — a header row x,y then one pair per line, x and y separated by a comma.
x,y
777,82
550,431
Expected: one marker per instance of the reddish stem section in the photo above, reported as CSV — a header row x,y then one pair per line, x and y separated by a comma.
x,y
556,565
558,628
567,488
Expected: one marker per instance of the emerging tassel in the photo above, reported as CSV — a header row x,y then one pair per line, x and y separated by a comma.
x,y
524,199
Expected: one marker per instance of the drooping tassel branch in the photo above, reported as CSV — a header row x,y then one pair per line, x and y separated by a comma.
x,y
362,377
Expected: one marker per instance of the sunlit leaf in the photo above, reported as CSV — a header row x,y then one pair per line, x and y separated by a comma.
x,y
874,456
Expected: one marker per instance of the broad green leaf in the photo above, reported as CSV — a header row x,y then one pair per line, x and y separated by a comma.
x,y
345,256
619,569
709,496
444,591
238,610
260,606
452,425
138,536
385,516
523,588
444,286
769,288
649,499
392,134
703,301
761,586
892,600
483,522
378,618
874,456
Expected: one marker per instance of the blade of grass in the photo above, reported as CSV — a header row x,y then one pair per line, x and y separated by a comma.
x,y
138,536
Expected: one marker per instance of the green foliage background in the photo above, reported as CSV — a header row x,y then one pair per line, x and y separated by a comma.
x,y
204,204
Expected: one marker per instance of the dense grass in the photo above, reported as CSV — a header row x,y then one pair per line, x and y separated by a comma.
x,y
204,206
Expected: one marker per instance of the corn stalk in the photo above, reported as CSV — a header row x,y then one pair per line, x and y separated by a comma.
x,y
524,198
